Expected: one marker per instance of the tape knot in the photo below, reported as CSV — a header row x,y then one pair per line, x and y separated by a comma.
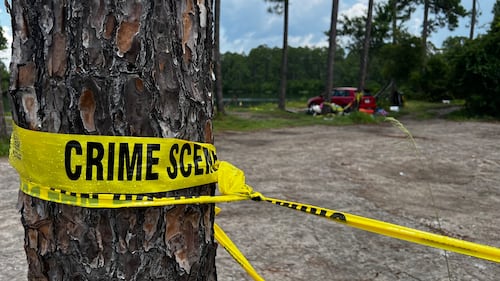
x,y
256,196
232,180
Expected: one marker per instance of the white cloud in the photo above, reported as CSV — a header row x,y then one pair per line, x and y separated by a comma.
x,y
307,40
415,26
356,10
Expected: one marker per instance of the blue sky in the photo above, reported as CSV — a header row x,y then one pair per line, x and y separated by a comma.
x,y
245,24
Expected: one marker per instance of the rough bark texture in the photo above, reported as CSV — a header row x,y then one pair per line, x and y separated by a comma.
x,y
111,67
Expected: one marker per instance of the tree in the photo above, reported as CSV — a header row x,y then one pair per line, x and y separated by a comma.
x,y
473,19
402,60
332,45
366,48
475,65
218,67
126,68
495,23
281,7
355,28
235,72
3,125
446,13
397,10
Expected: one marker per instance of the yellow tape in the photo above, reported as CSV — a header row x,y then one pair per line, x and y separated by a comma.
x,y
107,200
233,250
42,169
110,164
231,185
396,231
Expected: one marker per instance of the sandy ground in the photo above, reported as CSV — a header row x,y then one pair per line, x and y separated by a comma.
x,y
448,184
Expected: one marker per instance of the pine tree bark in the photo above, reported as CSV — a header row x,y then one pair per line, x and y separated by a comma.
x,y
115,67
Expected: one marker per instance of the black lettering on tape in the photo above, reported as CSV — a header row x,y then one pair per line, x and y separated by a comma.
x,y
94,160
197,158
172,170
111,161
185,169
151,161
125,164
338,216
72,145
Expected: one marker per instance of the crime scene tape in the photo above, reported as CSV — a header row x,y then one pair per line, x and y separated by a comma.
x,y
231,248
187,164
109,164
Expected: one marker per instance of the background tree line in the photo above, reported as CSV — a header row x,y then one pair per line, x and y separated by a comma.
x,y
464,68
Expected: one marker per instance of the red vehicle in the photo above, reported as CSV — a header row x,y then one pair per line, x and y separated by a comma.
x,y
345,96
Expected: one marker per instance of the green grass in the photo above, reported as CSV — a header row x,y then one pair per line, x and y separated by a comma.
x,y
266,116
4,147
422,110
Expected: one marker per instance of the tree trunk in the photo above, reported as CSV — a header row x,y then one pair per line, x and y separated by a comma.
x,y
394,18
218,67
127,68
332,45
472,20
425,26
284,61
366,49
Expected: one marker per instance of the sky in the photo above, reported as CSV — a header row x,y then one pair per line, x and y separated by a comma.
x,y
246,24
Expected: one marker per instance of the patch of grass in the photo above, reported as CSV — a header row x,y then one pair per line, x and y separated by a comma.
x,y
422,110
267,116
4,147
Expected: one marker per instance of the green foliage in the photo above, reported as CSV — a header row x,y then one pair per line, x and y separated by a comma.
x,y
256,75
476,75
276,6
3,40
402,59
495,23
435,79
445,13
354,29
463,69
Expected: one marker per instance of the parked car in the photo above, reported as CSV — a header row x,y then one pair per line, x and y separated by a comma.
x,y
344,97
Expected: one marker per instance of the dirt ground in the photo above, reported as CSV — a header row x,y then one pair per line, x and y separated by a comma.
x,y
448,184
